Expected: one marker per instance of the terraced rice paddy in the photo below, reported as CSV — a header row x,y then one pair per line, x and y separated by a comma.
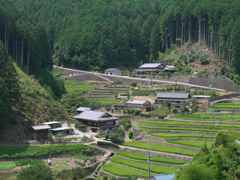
x,y
183,135
136,164
210,116
163,148
228,106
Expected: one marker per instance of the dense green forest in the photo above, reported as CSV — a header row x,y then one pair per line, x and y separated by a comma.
x,y
26,43
23,100
94,34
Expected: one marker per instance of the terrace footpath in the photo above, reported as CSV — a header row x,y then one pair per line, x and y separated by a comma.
x,y
163,154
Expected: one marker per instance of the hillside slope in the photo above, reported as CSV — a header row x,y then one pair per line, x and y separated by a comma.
x,y
220,162
23,102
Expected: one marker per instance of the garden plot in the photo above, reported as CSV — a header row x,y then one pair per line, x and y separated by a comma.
x,y
136,164
64,157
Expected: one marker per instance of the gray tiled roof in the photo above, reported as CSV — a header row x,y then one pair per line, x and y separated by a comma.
x,y
173,95
93,116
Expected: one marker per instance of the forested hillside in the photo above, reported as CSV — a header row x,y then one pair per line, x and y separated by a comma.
x,y
26,43
23,100
93,34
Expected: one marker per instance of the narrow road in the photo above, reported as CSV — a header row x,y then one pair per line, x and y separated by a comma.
x,y
102,75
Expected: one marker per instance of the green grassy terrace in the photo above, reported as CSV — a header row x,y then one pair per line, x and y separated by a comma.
x,y
142,156
162,148
135,164
226,106
210,116
38,151
7,165
77,87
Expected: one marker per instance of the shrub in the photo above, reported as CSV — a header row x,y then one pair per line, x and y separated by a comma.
x,y
117,135
196,172
204,59
36,171
126,123
161,112
78,173
130,135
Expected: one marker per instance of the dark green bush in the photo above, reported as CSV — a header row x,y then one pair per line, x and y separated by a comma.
x,y
36,171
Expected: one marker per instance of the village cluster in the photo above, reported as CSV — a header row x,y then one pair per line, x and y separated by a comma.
x,y
95,120
146,69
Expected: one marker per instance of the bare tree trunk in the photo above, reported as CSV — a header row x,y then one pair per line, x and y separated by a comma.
x,y
182,32
6,38
28,59
199,29
22,52
189,30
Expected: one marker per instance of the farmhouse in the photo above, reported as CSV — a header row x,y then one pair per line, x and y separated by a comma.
x,y
170,68
176,100
150,68
40,132
97,119
143,105
62,131
113,71
53,124
83,109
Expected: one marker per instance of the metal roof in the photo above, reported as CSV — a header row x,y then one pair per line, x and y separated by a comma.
x,y
112,70
201,97
170,68
41,127
150,65
137,102
82,109
52,122
173,95
62,129
94,116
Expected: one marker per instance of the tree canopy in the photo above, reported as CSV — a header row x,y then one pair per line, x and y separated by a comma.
x,y
94,34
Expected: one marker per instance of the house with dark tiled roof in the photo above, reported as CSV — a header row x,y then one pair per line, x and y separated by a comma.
x,y
150,68
143,105
175,100
97,119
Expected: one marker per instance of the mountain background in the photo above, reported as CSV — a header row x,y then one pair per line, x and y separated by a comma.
x,y
94,35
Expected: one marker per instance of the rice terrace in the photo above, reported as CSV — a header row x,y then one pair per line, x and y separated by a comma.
x,y
115,90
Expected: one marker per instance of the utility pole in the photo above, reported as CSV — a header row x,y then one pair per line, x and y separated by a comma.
x,y
149,164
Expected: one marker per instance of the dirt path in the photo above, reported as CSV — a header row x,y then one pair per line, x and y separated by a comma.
x,y
11,171
112,77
